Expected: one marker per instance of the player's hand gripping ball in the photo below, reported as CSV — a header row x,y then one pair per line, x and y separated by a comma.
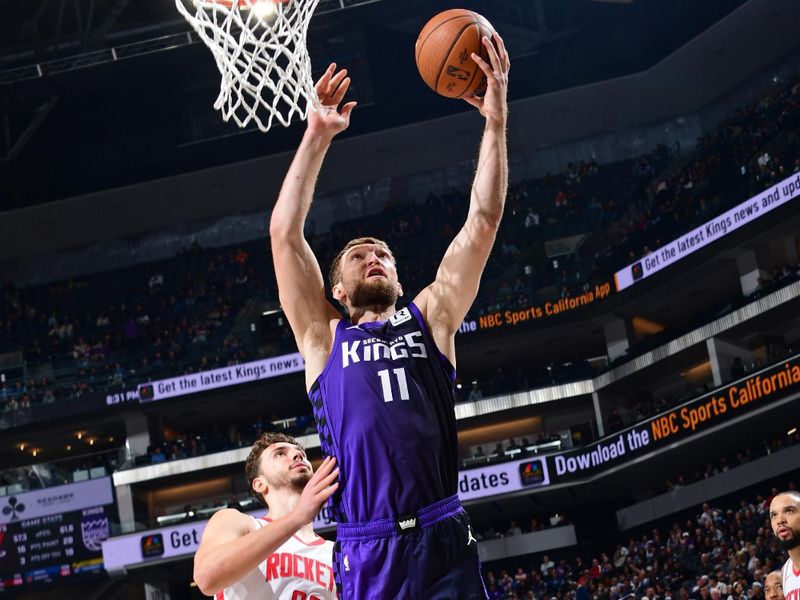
x,y
444,53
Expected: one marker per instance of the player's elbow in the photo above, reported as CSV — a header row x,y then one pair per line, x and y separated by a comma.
x,y
205,578
487,221
285,238
278,229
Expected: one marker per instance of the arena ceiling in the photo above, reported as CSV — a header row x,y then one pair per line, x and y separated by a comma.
x,y
76,121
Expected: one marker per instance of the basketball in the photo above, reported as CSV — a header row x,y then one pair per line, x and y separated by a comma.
x,y
443,53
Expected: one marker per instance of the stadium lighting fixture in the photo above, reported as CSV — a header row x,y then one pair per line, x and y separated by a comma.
x,y
792,431
264,9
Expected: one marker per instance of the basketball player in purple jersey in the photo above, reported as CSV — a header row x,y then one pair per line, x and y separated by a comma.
x,y
381,383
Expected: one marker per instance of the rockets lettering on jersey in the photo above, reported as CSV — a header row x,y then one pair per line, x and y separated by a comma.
x,y
297,570
289,565
383,406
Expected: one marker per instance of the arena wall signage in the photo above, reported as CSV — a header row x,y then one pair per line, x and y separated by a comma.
x,y
293,363
702,413
122,394
55,500
711,231
513,317
54,535
208,380
173,542
184,539
153,545
502,478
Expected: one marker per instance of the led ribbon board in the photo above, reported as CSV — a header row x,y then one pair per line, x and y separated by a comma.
x,y
248,372
747,212
707,411
183,540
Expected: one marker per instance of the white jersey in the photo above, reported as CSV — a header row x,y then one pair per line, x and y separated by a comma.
x,y
791,581
295,571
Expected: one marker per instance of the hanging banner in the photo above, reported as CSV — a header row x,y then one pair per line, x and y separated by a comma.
x,y
700,414
740,215
203,381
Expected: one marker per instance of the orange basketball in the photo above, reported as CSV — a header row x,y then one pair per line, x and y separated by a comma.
x,y
443,52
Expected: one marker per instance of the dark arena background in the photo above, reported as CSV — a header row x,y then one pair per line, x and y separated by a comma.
x,y
628,376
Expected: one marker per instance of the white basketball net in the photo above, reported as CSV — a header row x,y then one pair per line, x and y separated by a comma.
x,y
260,50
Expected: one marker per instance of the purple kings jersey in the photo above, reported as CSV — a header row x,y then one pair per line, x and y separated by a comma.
x,y
384,408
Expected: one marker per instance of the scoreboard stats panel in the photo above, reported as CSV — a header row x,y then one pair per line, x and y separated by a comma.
x,y
50,549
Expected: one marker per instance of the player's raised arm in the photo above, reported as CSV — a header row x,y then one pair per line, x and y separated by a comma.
x,y
445,302
300,284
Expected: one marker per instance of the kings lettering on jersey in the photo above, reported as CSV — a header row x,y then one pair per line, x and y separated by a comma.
x,y
383,405
410,345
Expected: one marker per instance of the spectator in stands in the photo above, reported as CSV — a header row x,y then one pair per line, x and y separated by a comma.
x,y
773,586
546,565
158,456
737,368
680,196
475,392
513,529
614,421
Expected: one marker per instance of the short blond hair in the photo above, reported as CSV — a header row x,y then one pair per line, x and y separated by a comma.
x,y
335,273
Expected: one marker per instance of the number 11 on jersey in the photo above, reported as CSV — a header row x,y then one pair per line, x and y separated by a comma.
x,y
387,387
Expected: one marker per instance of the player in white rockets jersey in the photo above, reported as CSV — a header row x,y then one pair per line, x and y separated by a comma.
x,y
277,558
784,516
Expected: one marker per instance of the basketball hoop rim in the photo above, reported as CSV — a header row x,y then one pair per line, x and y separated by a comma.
x,y
259,47
242,4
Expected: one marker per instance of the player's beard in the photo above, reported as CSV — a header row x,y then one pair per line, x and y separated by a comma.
x,y
295,481
298,482
378,292
791,542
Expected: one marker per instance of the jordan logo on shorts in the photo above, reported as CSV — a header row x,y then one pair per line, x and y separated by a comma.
x,y
470,539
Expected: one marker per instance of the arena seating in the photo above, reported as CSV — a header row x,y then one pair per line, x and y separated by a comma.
x,y
180,315
723,552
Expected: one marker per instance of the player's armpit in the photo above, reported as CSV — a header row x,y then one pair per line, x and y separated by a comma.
x,y
228,556
224,527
